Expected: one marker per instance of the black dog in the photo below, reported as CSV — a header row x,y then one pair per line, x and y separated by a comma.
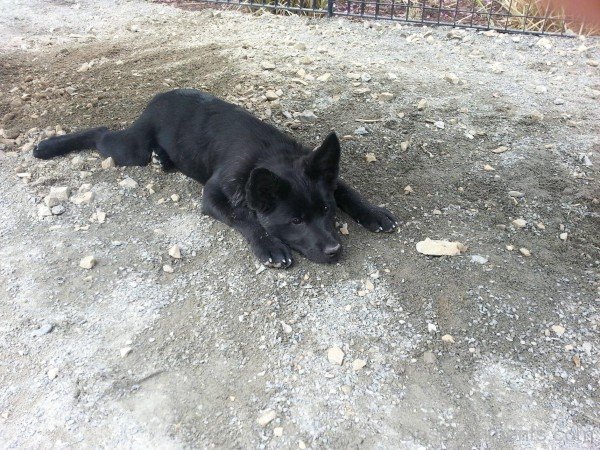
x,y
274,191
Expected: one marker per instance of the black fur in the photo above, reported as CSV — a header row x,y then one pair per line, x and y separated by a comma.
x,y
277,193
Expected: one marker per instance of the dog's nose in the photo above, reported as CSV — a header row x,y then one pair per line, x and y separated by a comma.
x,y
331,250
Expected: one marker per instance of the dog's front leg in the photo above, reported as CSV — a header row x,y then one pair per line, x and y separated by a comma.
x,y
373,218
269,250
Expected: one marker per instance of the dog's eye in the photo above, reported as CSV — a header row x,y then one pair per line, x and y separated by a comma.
x,y
325,208
296,220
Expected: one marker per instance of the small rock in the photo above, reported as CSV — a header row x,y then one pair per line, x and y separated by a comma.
x,y
497,68
175,252
451,78
57,195
268,65
479,259
306,116
524,251
12,133
563,236
267,417
370,157
128,183
84,197
100,216
108,163
559,101
385,96
540,226
544,43
44,211
168,268
592,62
361,131
422,104
432,328
448,339
585,160
408,190
500,149
44,329
519,223
365,77
440,248
344,229
125,351
324,77
358,364
335,355
429,357
510,248
58,210
175,198
88,262
52,373
488,168
271,95
278,431
285,327
516,194
558,329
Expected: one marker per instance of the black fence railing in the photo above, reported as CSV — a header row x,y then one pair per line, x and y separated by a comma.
x,y
512,16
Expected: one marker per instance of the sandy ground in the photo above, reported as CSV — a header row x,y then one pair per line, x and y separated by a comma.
x,y
490,349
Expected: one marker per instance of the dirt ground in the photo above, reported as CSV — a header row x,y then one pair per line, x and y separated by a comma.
x,y
490,349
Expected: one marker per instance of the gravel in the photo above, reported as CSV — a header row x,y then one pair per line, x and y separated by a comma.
x,y
456,354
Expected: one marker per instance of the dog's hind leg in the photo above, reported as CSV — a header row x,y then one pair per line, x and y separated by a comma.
x,y
165,162
129,147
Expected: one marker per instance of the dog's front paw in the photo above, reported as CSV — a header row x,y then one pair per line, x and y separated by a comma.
x,y
272,252
377,219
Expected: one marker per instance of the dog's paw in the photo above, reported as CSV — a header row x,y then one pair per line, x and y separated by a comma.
x,y
273,253
378,220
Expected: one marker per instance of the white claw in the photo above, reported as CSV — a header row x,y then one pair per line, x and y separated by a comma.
x,y
270,260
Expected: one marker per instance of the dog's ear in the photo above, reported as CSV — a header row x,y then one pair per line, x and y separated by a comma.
x,y
324,162
264,188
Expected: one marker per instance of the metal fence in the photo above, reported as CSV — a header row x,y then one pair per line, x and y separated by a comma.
x,y
512,16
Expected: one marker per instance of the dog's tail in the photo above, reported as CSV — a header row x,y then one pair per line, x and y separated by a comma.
x,y
61,145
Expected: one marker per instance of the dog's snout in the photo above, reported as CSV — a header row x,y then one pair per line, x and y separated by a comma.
x,y
331,250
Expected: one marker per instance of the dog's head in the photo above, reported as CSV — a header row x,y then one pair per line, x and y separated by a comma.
x,y
296,204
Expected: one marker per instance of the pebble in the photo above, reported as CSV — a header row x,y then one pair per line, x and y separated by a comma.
x,y
370,157
385,96
563,236
268,65
128,183
519,223
125,351
479,259
271,95
52,373
510,248
524,251
558,329
175,252
57,195
44,329
429,357
451,78
84,197
408,190
516,194
88,262
278,431
168,268
500,149
344,229
335,355
488,168
324,77
267,417
287,329
175,198
44,211
559,101
432,328
448,338
100,216
108,163
58,210
306,116
592,62
358,364
540,226
422,104
440,247
361,131
439,124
